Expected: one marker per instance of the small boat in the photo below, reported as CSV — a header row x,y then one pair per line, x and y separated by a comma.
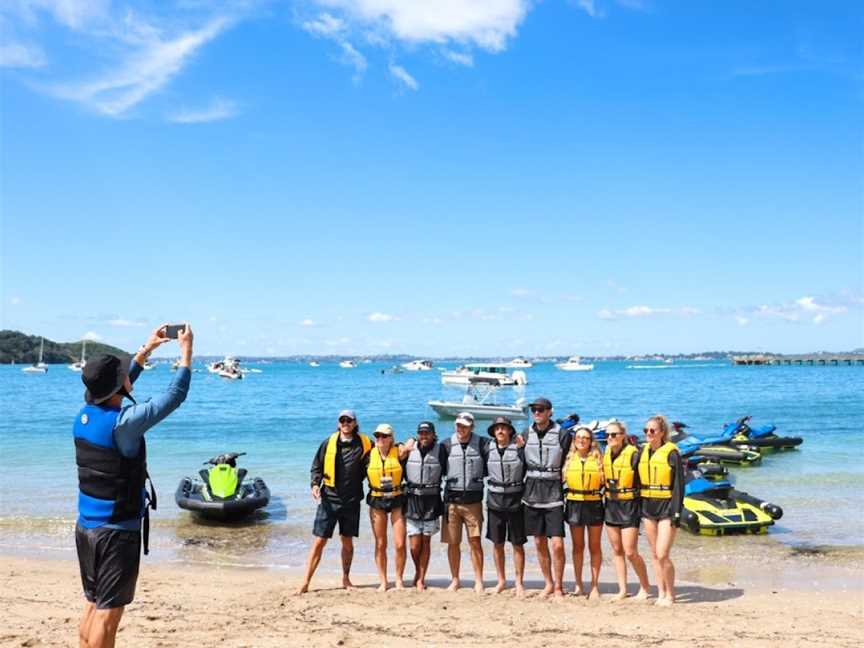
x,y
314,363
220,492
574,363
417,365
79,366
148,366
520,363
479,400
395,369
464,374
762,438
39,367
348,364
713,507
175,365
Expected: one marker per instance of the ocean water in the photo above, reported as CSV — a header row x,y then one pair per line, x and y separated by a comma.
x,y
279,417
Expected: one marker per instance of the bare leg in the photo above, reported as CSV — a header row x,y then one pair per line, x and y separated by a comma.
x,y
347,559
665,539
415,545
614,535
519,562
541,543
596,553
454,557
103,627
651,533
398,521
577,537
558,565
425,551
379,530
312,561
630,540
84,626
498,553
476,546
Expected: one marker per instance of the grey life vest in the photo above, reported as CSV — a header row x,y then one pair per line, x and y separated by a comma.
x,y
544,456
423,473
465,468
506,472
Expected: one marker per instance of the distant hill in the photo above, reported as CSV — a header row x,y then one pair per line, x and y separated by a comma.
x,y
20,348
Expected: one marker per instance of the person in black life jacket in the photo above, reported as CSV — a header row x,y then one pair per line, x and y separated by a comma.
x,y
385,468
425,465
583,479
337,485
505,467
623,507
546,445
661,481
113,502
463,498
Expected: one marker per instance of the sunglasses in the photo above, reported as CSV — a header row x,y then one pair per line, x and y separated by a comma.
x,y
345,419
535,410
650,431
614,434
378,435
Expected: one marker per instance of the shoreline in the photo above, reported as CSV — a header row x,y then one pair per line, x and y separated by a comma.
x,y
178,605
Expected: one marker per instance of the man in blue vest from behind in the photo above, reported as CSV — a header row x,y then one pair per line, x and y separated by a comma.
x,y
112,471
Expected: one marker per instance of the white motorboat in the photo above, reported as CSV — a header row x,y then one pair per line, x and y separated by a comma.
x,y
417,365
574,363
175,365
314,363
40,367
231,374
148,366
226,362
479,400
464,374
79,366
520,363
348,364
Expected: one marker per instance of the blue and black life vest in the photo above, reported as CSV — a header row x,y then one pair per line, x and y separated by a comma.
x,y
111,487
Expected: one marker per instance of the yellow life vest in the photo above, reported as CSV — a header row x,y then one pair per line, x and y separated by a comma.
x,y
330,456
385,476
584,479
619,474
655,473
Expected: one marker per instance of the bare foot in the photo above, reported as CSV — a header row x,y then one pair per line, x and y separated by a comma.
x,y
594,595
382,587
578,591
453,586
347,584
664,602
421,586
520,590
642,595
547,592
620,596
302,589
479,589
558,594
399,585
499,587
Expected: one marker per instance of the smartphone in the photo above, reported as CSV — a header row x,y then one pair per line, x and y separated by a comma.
x,y
172,330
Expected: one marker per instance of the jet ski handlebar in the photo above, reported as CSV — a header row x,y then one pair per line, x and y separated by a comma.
x,y
226,458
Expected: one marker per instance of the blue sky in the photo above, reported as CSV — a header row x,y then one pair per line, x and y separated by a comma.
x,y
476,178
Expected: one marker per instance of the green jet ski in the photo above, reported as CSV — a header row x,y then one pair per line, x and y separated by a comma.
x,y
222,493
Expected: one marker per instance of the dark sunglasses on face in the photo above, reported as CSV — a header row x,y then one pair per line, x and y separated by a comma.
x,y
345,419
650,431
382,436
536,410
614,434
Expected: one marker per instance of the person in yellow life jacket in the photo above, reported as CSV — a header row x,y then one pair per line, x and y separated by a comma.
x,y
337,485
583,480
661,486
385,470
623,507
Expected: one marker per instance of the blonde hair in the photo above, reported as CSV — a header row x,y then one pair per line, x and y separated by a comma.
x,y
620,425
661,420
593,450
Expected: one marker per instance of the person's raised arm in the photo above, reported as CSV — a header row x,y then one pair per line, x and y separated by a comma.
x,y
157,338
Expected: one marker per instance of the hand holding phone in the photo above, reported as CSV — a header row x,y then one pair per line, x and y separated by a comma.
x,y
173,330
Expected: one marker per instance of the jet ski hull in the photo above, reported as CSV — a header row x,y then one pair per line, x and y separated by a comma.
x,y
767,443
192,496
724,511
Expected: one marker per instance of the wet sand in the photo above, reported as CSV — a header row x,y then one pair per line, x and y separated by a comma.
x,y
815,598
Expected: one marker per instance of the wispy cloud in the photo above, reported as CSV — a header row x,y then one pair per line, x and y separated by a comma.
x,y
646,311
741,320
326,25
403,76
21,55
381,317
589,7
459,58
307,323
123,322
91,336
218,110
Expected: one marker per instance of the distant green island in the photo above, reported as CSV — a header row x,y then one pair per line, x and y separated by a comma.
x,y
21,348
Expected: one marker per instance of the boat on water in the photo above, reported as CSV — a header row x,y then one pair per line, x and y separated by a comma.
x,y
148,366
479,400
417,365
520,363
175,365
314,363
39,367
79,366
574,363
348,364
498,372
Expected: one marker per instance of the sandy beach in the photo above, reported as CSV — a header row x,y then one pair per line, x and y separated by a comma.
x,y
181,605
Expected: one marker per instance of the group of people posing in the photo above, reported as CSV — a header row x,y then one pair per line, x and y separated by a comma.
x,y
533,482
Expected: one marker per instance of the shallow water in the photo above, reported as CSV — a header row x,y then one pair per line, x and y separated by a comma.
x,y
281,415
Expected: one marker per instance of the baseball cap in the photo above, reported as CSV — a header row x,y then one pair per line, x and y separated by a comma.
x,y
465,418
384,428
541,402
426,426
349,413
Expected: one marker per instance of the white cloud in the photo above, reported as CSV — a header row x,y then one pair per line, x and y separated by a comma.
x,y
432,320
402,76
91,336
589,7
21,55
459,58
741,320
336,29
688,311
119,321
324,25
606,314
308,323
643,311
74,14
381,317
152,63
218,110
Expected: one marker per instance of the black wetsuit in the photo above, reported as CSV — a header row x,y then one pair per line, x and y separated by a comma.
x,y
666,509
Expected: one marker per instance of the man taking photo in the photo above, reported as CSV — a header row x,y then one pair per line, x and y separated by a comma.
x,y
112,470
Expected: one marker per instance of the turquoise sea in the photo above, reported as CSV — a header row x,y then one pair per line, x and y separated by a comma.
x,y
279,417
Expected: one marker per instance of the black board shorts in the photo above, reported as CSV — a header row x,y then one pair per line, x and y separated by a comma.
x,y
625,514
504,526
656,509
109,561
584,513
330,512
547,522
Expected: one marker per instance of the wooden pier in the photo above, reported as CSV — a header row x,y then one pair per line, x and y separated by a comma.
x,y
802,359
